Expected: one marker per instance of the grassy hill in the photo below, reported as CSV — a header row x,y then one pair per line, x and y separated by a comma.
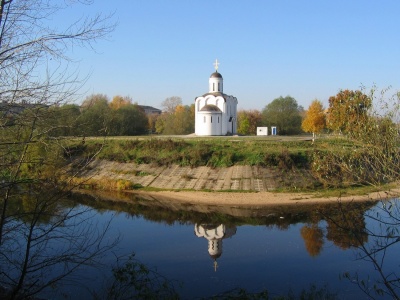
x,y
331,161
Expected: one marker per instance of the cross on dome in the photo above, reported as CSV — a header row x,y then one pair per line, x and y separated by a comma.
x,y
216,65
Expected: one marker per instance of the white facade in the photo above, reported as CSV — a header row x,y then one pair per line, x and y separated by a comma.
x,y
215,112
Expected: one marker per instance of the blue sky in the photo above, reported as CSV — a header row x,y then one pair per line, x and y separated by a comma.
x,y
266,49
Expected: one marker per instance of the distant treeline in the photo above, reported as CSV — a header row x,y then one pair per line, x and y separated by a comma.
x,y
97,116
349,113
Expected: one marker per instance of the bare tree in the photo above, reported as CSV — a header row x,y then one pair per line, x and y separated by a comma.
x,y
35,74
33,77
170,103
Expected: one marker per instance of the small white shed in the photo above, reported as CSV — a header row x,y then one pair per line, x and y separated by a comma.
x,y
262,130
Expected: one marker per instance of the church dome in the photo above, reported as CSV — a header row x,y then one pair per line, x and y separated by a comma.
x,y
210,107
215,75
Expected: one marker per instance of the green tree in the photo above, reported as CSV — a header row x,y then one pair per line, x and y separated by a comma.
x,y
243,123
348,112
128,120
314,120
160,123
96,116
65,118
248,121
284,113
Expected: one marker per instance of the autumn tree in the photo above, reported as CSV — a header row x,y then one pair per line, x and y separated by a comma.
x,y
183,120
314,120
284,113
348,112
248,121
180,120
376,158
119,101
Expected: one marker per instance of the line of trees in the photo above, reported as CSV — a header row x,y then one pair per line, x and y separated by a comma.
x,y
97,116
347,114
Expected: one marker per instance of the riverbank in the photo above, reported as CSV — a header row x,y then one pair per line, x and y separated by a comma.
x,y
259,199
231,186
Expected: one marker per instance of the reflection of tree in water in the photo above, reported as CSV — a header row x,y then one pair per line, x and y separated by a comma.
x,y
344,224
45,242
381,251
347,230
345,227
344,231
313,238
376,243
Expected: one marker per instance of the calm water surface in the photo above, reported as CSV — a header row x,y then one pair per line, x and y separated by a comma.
x,y
211,250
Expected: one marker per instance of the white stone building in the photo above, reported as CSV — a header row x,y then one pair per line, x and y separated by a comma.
x,y
215,112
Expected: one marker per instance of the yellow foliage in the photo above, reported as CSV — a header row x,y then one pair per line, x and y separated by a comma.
x,y
118,102
315,119
313,239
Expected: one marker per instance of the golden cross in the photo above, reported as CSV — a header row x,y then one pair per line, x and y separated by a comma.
x,y
216,65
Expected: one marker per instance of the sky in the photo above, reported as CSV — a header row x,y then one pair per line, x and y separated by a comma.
x,y
266,49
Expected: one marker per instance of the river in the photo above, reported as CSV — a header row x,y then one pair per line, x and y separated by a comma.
x,y
206,251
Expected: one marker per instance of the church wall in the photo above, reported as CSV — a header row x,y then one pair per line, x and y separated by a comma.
x,y
230,107
224,127
208,123
215,85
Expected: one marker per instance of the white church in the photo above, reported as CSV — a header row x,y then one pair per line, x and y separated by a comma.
x,y
215,112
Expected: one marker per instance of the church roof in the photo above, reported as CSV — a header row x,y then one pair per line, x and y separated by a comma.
x,y
216,94
215,75
210,107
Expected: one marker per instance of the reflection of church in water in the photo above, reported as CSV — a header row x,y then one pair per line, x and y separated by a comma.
x,y
214,234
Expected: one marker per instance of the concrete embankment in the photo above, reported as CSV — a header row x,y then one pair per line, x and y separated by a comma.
x,y
235,178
